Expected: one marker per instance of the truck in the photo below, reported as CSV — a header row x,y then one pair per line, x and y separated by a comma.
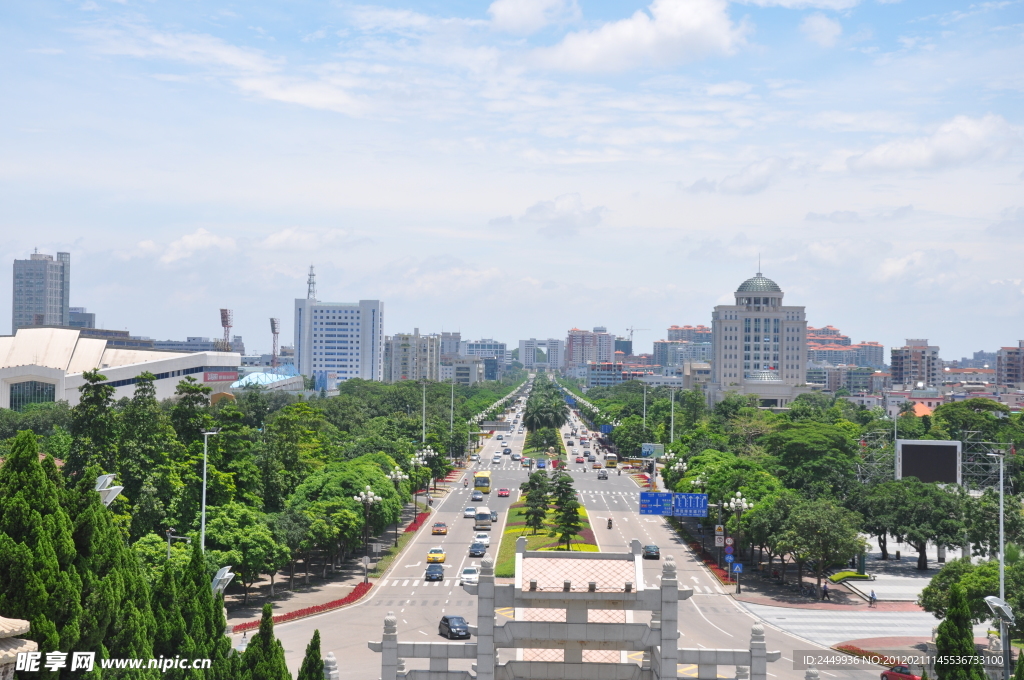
x,y
482,521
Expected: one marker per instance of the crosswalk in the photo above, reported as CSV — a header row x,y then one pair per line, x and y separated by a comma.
x,y
830,627
415,583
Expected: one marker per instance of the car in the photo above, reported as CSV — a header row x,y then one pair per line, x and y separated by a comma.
x,y
580,459
500,437
526,462
569,443
496,459
651,552
482,537
436,555
470,513
494,516
520,430
517,456
476,496
477,550
899,673
507,451
503,493
541,465
597,465
575,451
627,466
470,575
603,474
591,458
434,572
474,456
439,528
453,627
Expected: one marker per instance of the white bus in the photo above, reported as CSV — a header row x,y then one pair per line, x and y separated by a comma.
x,y
482,521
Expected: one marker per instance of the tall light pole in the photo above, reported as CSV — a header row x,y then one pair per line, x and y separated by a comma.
x,y
422,458
698,487
672,435
397,476
1004,635
738,504
645,409
368,498
423,439
202,521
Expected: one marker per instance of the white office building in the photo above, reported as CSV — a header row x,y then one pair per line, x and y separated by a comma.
x,y
760,346
553,353
412,356
336,341
486,347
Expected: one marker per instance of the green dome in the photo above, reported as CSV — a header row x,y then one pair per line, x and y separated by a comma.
x,y
759,284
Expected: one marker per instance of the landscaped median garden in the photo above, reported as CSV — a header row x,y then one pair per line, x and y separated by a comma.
x,y
549,517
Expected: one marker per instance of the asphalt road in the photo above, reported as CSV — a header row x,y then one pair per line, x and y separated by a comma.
x,y
709,619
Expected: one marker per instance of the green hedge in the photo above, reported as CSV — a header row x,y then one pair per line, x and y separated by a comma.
x,y
848,575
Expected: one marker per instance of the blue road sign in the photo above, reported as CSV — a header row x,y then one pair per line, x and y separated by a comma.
x,y
729,550
737,568
729,558
655,503
690,505
605,429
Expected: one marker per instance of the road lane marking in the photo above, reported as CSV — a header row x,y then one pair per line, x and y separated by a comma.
x,y
405,582
446,582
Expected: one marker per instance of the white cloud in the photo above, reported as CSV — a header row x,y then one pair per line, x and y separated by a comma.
x,y
564,216
836,216
752,179
528,16
732,89
803,4
674,31
191,244
960,141
821,30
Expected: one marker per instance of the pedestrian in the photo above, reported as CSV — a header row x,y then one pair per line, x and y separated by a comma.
x,y
824,593
872,599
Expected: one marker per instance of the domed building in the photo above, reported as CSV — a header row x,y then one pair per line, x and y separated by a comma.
x,y
760,345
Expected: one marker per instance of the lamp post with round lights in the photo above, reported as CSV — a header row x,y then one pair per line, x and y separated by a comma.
x,y
397,476
368,499
738,504
422,459
698,485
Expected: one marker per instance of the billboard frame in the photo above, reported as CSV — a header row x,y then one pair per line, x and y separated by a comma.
x,y
932,442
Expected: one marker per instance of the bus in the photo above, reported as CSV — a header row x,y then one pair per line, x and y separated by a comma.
x,y
611,460
482,481
482,521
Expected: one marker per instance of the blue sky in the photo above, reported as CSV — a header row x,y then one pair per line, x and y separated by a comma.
x,y
517,168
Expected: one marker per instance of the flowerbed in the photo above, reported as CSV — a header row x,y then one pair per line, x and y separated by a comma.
x,y
418,522
851,575
355,595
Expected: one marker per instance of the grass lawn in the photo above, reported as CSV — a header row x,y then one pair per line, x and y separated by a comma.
x,y
542,540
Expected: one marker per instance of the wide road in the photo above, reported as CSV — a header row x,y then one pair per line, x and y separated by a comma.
x,y
709,619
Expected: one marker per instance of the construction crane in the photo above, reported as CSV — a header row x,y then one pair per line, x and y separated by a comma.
x,y
635,329
275,328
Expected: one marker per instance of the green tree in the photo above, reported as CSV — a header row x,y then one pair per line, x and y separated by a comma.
x,y
929,514
955,638
826,533
190,414
814,458
768,519
568,522
312,664
264,657
882,508
240,536
94,426
537,490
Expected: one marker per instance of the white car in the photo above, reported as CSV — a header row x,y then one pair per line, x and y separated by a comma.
x,y
482,537
496,459
474,456
470,575
575,451
470,513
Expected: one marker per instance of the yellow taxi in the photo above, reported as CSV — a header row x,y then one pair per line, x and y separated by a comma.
x,y
435,555
439,528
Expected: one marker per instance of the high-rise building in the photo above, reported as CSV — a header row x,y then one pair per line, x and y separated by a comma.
x,y
689,352
534,353
42,291
450,344
689,333
583,347
79,318
412,356
916,362
337,341
1010,365
624,345
486,347
828,344
760,345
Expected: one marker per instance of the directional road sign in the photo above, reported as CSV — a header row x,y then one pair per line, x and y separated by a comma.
x,y
690,505
655,503
729,558
719,541
737,568
728,549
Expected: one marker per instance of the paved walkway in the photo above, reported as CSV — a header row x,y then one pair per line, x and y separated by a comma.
x,y
830,626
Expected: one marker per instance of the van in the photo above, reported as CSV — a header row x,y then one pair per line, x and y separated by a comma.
x,y
482,521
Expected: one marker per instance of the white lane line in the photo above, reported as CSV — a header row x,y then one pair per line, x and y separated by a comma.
x,y
422,632
405,582
446,582
383,583
708,589
709,622
415,583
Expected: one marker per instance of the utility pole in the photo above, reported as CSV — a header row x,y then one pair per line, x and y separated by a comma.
x,y
672,435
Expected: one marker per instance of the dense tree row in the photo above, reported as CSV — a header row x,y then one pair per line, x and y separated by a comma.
x,y
281,476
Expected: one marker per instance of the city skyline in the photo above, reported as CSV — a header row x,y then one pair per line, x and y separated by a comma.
x,y
595,163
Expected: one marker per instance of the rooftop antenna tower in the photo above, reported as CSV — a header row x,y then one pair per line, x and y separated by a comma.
x,y
227,318
311,285
275,329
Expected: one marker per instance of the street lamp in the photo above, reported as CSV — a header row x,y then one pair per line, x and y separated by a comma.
x,y
738,504
397,476
172,537
202,525
422,458
1003,627
368,499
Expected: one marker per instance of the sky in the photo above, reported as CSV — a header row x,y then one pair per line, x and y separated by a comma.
x,y
516,168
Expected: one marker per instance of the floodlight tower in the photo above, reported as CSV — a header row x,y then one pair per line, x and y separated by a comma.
x,y
275,329
227,318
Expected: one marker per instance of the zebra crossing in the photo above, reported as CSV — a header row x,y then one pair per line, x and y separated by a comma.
x,y
414,582
830,627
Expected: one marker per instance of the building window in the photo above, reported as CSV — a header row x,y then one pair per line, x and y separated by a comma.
x,y
31,392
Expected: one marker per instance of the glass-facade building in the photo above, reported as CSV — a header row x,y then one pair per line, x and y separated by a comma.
x,y
42,291
31,392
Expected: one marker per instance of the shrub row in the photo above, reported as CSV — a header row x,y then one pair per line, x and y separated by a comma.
x,y
355,595
418,522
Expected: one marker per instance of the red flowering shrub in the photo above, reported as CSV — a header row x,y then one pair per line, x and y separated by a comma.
x,y
354,596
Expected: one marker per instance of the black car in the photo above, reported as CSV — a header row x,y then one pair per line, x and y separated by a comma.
x,y
477,550
651,552
453,627
435,572
507,451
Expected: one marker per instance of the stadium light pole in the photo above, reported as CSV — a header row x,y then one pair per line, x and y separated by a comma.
x,y
1004,636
